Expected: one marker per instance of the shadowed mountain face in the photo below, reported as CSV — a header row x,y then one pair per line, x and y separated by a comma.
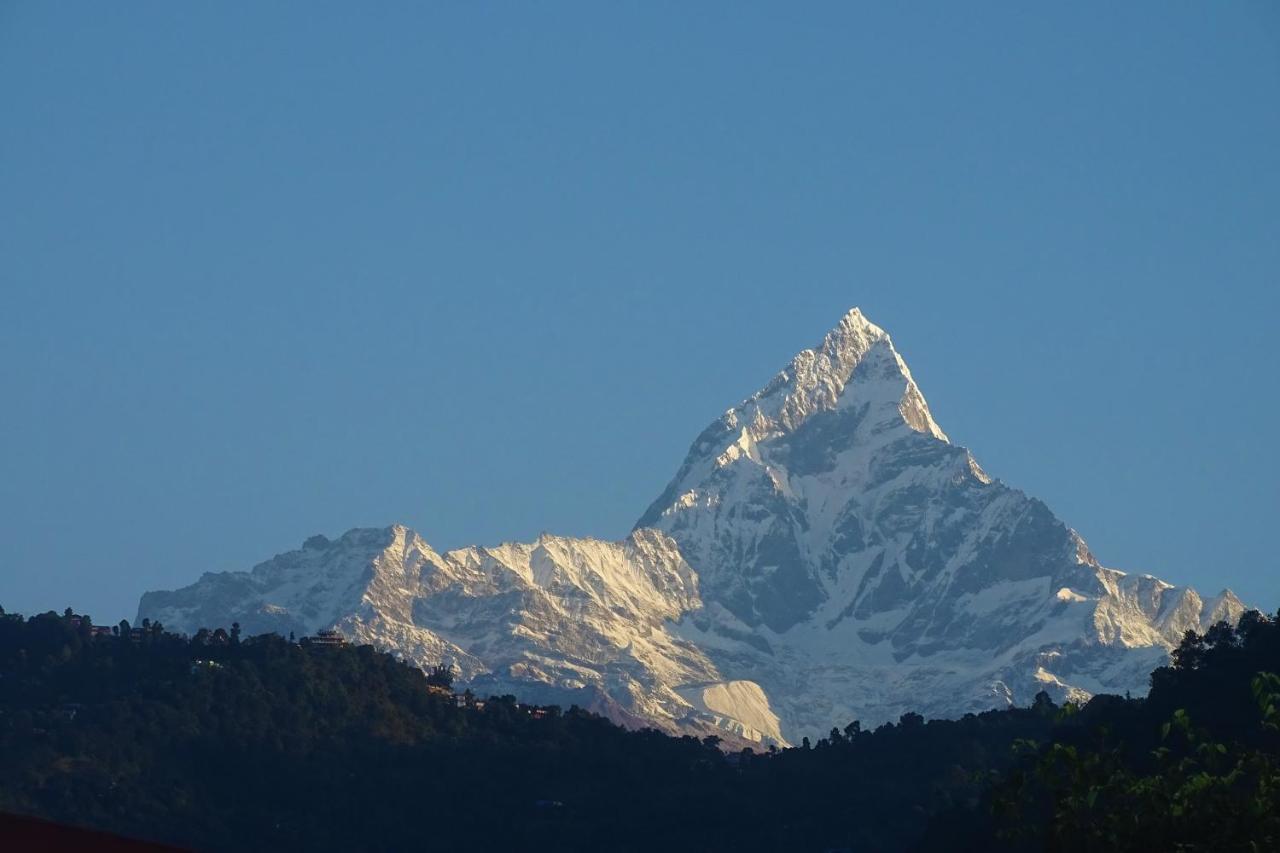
x,y
823,554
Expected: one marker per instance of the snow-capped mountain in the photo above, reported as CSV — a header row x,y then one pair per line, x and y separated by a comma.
x,y
823,554
856,564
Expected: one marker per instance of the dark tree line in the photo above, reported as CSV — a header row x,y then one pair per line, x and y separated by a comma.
x,y
1194,766
222,742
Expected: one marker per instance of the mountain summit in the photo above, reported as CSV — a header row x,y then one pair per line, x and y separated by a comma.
x,y
858,564
823,554
789,466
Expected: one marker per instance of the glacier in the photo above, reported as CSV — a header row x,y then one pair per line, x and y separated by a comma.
x,y
824,553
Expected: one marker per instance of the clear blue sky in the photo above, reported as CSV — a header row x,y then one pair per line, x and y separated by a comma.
x,y
268,270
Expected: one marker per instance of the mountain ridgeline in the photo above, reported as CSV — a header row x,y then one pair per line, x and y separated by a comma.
x,y
824,553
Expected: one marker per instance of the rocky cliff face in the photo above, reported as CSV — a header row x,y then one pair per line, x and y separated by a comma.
x,y
823,554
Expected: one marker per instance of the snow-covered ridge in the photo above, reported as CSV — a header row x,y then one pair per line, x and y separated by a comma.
x,y
823,554
556,620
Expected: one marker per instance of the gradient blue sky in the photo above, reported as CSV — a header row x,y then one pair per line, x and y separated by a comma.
x,y
268,270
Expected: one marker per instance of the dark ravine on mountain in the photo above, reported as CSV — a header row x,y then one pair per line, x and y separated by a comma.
x,y
824,553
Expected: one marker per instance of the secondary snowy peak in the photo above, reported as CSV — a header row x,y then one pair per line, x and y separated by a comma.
x,y
564,620
855,563
300,591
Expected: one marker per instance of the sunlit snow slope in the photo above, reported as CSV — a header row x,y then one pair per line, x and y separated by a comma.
x,y
565,621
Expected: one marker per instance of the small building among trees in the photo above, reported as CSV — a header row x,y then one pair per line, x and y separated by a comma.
x,y
327,637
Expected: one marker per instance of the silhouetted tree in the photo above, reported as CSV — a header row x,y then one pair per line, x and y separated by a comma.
x,y
1043,704
441,676
258,742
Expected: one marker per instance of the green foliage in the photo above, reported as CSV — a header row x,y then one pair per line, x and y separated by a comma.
x,y
1194,767
1266,691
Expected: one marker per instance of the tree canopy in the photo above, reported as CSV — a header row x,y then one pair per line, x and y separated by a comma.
x,y
224,742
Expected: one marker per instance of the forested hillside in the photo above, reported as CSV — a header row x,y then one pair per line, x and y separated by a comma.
x,y
223,743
